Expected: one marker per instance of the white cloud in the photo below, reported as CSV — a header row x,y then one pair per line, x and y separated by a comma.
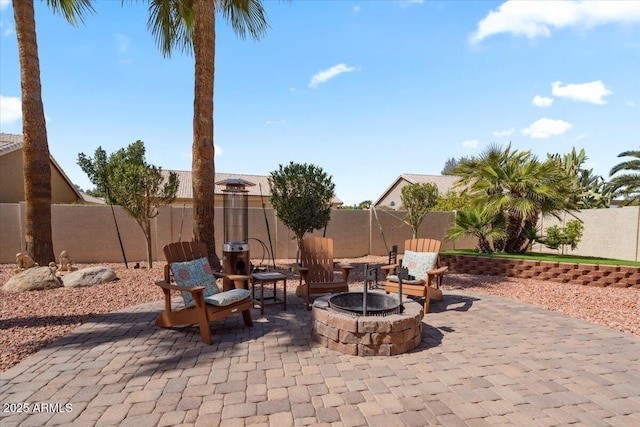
x,y
544,128
542,101
4,4
10,110
329,73
588,92
536,18
470,143
357,9
506,132
631,104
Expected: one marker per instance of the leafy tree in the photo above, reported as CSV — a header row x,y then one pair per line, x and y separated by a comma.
x,y
478,222
451,163
520,187
366,204
418,199
626,185
562,236
190,27
453,201
301,194
35,147
130,182
591,189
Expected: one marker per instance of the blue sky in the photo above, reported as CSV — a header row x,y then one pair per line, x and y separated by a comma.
x,y
367,90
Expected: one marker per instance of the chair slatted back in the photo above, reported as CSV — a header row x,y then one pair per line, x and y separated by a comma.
x,y
316,254
422,245
182,251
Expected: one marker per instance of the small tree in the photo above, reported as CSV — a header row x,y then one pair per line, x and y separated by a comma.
x,y
418,200
559,237
130,182
453,201
301,194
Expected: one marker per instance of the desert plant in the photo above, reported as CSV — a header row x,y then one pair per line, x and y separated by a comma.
x,y
301,194
418,199
130,182
559,237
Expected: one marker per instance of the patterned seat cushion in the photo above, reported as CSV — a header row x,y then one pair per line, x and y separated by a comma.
x,y
194,273
394,278
225,298
419,263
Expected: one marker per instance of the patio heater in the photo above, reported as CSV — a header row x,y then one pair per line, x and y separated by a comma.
x,y
235,250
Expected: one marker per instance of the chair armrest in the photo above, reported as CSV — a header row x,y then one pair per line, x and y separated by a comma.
x,y
192,289
346,269
389,269
437,271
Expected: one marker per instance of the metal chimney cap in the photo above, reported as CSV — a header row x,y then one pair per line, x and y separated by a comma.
x,y
235,184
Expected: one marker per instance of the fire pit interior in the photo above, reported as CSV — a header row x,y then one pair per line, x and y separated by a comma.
x,y
365,304
339,323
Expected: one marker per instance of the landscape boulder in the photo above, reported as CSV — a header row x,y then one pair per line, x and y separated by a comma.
x,y
32,279
88,277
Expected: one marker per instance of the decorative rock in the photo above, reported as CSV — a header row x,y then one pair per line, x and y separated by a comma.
x,y
88,277
32,279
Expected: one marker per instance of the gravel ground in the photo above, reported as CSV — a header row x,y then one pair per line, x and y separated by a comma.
x,y
31,320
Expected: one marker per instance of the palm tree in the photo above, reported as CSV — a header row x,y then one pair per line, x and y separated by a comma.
x,y
35,152
191,25
478,222
627,185
518,186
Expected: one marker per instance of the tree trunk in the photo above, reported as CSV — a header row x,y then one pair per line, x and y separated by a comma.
x,y
147,235
203,169
35,148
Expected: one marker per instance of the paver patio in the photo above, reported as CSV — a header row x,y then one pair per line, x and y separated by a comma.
x,y
483,360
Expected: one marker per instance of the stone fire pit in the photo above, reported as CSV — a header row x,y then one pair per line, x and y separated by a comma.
x,y
367,335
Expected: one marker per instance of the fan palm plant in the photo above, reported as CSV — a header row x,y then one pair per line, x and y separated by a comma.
x,y
627,185
518,186
478,222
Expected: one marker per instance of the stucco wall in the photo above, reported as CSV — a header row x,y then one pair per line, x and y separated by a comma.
x,y
608,233
89,233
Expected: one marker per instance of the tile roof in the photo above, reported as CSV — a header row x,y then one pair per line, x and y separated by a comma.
x,y
444,183
185,188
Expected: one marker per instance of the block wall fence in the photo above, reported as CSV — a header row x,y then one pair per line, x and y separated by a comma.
x,y
89,234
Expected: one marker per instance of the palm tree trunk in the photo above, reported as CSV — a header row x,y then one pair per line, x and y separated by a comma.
x,y
35,151
203,168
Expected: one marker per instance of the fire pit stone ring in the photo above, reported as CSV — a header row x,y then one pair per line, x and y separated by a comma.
x,y
358,335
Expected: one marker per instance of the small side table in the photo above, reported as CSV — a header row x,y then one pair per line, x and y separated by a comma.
x,y
263,279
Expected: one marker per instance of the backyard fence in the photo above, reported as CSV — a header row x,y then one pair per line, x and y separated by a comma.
x,y
88,232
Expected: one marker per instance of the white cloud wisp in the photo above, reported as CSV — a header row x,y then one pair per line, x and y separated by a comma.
x,y
329,73
10,110
542,101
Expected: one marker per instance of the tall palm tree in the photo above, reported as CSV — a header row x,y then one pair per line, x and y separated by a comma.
x,y
35,151
190,26
627,185
518,186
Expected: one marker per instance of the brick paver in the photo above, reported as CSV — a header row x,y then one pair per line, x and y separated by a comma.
x,y
483,360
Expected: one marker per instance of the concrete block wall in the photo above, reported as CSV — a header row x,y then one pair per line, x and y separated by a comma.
x,y
560,272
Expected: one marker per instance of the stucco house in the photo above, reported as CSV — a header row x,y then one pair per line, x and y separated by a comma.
x,y
390,199
256,194
11,176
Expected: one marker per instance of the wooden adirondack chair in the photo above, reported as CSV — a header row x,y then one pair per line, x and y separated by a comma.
x,y
317,271
202,312
428,286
